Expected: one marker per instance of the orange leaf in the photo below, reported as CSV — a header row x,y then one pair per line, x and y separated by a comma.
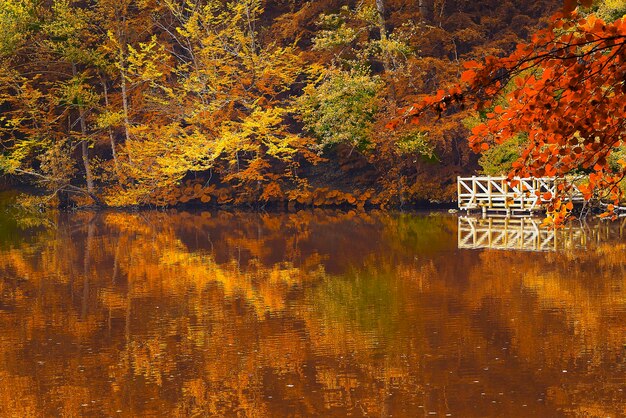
x,y
471,64
468,76
392,124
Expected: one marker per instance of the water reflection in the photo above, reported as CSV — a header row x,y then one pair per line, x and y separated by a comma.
x,y
527,234
308,314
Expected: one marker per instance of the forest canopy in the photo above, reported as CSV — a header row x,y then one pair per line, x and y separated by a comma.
x,y
255,102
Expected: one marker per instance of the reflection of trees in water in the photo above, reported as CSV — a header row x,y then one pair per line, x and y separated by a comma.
x,y
562,313
313,313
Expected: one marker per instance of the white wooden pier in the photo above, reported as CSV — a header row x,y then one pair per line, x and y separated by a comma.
x,y
498,194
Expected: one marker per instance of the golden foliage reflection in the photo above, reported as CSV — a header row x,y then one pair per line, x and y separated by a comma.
x,y
308,314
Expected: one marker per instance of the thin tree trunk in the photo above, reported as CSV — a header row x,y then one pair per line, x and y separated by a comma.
x,y
122,67
125,101
421,4
88,175
441,10
84,144
111,137
380,7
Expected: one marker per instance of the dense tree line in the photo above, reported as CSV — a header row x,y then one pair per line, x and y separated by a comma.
x,y
160,102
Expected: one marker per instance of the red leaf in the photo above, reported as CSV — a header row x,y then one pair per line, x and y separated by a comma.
x,y
468,76
471,64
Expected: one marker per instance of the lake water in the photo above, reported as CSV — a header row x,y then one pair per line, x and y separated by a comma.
x,y
308,314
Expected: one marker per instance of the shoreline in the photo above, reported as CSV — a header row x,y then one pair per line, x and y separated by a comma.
x,y
284,206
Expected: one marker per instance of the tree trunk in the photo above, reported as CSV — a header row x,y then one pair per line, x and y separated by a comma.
x,y
421,4
380,7
125,101
122,67
84,144
442,9
111,137
88,175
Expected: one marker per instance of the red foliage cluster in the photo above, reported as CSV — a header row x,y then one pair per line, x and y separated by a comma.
x,y
566,89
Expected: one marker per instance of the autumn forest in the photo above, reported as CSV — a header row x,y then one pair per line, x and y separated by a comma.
x,y
238,208
249,102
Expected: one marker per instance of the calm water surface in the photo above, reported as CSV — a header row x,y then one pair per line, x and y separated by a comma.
x,y
303,315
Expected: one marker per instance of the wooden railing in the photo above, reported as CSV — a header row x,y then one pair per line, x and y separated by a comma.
x,y
501,195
